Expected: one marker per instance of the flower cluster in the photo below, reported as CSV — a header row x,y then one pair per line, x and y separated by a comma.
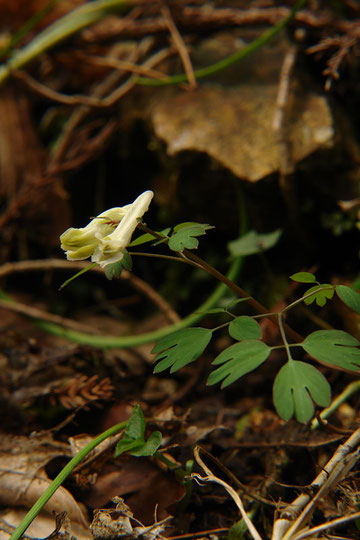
x,y
107,235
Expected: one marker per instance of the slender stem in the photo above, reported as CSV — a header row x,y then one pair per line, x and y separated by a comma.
x,y
345,394
283,336
159,256
77,19
299,300
229,60
63,474
259,308
105,342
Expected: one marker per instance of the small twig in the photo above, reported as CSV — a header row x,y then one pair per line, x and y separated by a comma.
x,y
196,534
180,45
341,462
280,126
210,477
72,22
236,481
62,144
124,65
36,313
328,525
232,58
51,264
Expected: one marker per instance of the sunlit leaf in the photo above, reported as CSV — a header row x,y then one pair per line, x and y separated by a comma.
x,y
322,293
113,271
303,277
184,236
350,297
297,386
253,242
180,348
334,347
237,360
244,327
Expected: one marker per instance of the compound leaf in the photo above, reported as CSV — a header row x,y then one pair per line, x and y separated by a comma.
x,y
237,360
297,386
334,347
244,327
180,348
350,297
321,294
303,277
253,242
184,235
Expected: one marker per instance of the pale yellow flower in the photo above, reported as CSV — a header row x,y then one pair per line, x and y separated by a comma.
x,y
107,235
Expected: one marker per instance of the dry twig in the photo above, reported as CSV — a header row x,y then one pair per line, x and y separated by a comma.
x,y
59,264
180,45
295,514
210,477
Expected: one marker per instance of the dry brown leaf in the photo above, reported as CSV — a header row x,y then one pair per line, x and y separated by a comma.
x,y
23,478
234,126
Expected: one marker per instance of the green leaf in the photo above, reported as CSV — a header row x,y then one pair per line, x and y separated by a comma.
x,y
253,242
238,531
237,360
303,277
322,293
134,432
212,311
150,446
135,426
128,445
297,386
113,271
184,235
334,347
235,302
133,439
180,348
350,297
147,237
244,327
77,275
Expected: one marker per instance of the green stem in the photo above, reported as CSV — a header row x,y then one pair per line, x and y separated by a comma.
x,y
299,300
105,342
27,27
335,404
91,12
79,18
229,60
56,483
283,336
259,308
